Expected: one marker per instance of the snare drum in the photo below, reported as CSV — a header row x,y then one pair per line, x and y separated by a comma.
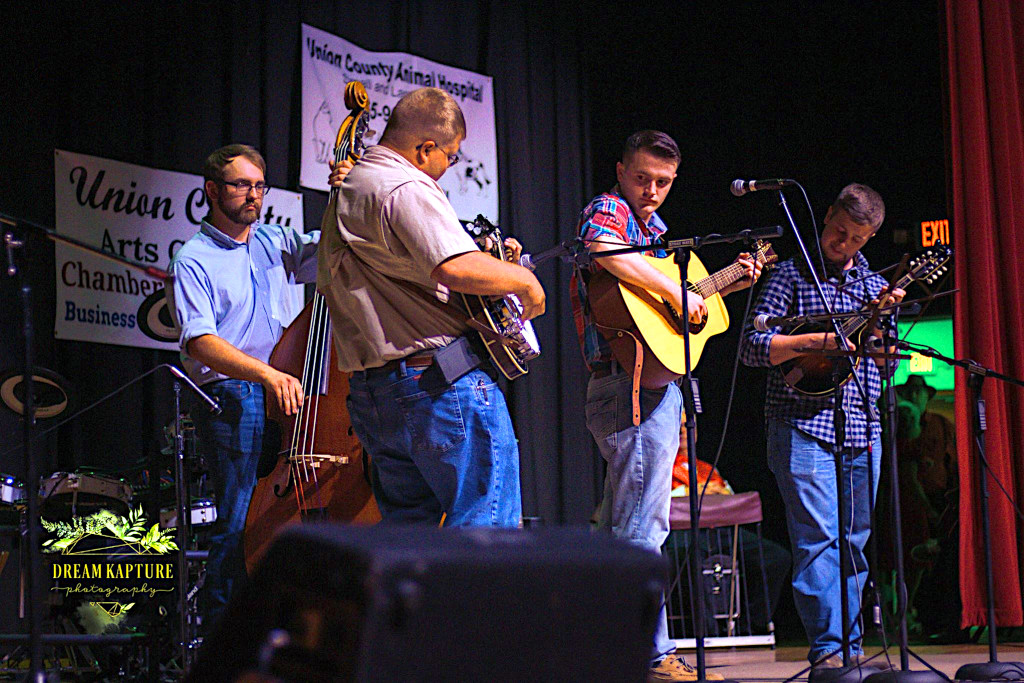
x,y
70,494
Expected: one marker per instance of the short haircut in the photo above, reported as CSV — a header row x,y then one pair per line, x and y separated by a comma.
x,y
862,204
213,167
654,141
425,114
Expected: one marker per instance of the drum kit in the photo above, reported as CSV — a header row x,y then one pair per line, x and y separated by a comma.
x,y
65,496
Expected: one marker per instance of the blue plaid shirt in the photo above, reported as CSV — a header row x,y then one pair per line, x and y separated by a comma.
x,y
790,291
606,216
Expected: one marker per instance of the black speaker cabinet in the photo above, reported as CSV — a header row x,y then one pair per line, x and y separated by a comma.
x,y
342,603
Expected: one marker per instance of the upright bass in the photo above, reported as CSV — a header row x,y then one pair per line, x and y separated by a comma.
x,y
321,471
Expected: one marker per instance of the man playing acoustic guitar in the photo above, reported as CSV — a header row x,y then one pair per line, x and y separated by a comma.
x,y
640,453
799,426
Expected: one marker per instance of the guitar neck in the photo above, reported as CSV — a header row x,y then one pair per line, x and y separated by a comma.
x,y
718,281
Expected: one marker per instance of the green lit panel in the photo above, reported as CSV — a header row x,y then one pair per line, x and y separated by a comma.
x,y
938,334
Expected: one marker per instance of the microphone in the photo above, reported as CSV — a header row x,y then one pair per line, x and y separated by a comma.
x,y
210,402
741,187
531,261
763,323
877,345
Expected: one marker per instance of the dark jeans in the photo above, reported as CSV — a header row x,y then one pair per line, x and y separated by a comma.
x,y
232,443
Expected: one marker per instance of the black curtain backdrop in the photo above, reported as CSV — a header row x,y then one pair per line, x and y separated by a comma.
x,y
827,93
162,86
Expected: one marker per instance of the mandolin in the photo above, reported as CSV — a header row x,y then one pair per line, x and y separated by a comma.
x,y
811,374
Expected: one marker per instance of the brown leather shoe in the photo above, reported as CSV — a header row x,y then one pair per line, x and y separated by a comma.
x,y
830,662
675,668
876,662
879,662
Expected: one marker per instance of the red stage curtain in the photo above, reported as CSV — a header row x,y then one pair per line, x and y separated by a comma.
x,y
985,71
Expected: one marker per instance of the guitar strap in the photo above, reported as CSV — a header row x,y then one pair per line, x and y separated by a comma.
x,y
638,369
453,311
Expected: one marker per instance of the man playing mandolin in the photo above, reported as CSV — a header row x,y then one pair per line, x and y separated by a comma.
x,y
640,454
421,401
799,425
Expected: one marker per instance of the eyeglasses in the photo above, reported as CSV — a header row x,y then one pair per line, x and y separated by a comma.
x,y
452,158
243,186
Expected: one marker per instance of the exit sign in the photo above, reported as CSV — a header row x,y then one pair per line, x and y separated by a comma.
x,y
933,232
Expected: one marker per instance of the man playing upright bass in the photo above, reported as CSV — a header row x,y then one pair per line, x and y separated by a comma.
x,y
227,297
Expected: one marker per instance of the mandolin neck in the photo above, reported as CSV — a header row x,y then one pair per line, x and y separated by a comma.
x,y
856,322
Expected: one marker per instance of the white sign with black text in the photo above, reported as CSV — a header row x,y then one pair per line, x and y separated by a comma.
x,y
141,214
330,62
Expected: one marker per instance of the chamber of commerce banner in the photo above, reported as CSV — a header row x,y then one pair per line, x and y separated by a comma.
x,y
330,62
141,214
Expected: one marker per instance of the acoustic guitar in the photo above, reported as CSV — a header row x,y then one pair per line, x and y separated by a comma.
x,y
631,317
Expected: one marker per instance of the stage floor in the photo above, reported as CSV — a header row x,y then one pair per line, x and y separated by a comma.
x,y
783,662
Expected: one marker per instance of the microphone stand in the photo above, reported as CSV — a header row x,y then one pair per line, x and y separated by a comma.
x,y
682,249
993,669
36,637
34,578
682,258
904,674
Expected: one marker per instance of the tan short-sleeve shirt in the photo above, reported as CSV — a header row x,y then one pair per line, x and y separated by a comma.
x,y
390,221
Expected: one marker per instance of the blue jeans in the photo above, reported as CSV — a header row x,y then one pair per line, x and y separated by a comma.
x,y
640,461
437,448
232,443
805,471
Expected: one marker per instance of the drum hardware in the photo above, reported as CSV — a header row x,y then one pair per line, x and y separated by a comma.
x,y
12,491
203,512
25,394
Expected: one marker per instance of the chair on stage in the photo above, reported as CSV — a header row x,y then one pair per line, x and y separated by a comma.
x,y
736,588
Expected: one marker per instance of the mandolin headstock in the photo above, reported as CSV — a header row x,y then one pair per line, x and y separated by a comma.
x,y
930,264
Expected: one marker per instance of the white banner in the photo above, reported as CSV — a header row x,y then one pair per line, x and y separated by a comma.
x,y
330,62
144,215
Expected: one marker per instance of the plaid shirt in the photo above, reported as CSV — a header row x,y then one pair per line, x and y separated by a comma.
x,y
790,291
606,216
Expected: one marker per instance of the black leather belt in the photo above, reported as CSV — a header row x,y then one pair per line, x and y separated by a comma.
x,y
419,360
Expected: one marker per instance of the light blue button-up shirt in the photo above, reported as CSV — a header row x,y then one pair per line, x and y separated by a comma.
x,y
236,290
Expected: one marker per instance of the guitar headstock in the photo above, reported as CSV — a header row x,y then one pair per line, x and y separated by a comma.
x,y
765,255
930,264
